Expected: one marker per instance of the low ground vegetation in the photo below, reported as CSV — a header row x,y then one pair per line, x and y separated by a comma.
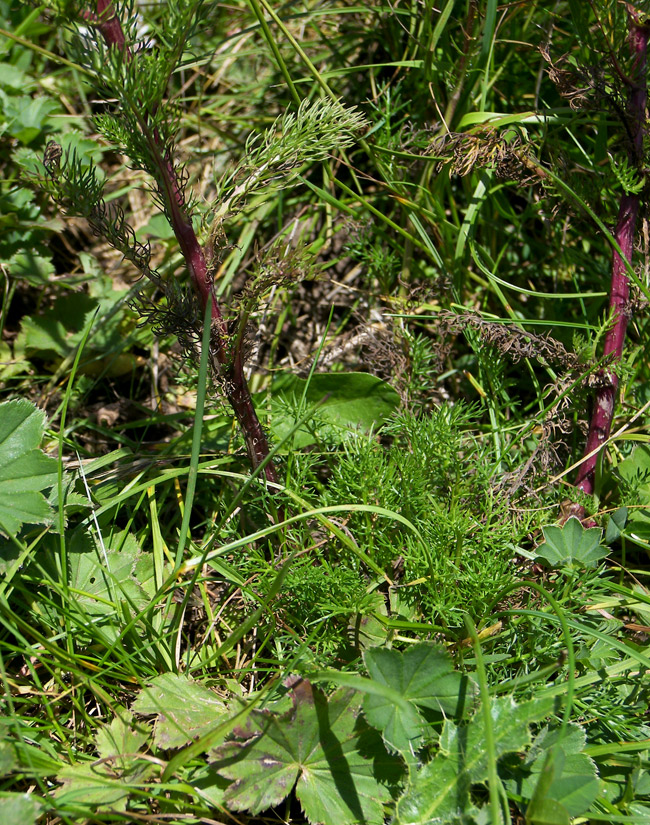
x,y
306,310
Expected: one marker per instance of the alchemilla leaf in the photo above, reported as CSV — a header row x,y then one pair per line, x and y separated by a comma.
x,y
121,740
572,545
575,782
20,807
185,709
316,747
24,469
425,677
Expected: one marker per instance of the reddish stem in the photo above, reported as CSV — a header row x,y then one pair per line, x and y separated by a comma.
x,y
605,397
110,26
229,364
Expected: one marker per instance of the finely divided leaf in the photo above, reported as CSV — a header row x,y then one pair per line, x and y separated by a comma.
x,y
24,469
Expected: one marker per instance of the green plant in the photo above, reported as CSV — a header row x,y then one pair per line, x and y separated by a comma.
x,y
328,748
26,471
406,635
143,125
630,204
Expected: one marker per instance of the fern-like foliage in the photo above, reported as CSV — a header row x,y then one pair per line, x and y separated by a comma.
x,y
627,175
309,135
79,191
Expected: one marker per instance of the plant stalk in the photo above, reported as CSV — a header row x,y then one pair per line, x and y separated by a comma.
x,y
606,394
228,365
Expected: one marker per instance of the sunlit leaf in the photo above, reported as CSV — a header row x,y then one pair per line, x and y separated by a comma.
x,y
572,545
24,469
575,784
345,401
184,709
317,748
20,808
424,676
121,740
439,791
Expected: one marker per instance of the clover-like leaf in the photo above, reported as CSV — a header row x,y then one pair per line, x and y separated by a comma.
x,y
185,709
24,469
319,748
425,677
572,545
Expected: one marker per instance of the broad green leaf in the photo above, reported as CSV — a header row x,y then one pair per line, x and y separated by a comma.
x,y
635,470
157,227
27,749
572,545
103,578
20,809
572,741
424,676
547,812
315,747
208,785
122,740
14,78
24,469
10,554
11,363
57,331
575,784
8,760
99,786
184,709
639,813
642,609
439,791
346,401
32,265
100,576
26,116
616,525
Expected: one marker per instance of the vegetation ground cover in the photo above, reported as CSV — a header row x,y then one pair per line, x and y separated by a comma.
x,y
308,314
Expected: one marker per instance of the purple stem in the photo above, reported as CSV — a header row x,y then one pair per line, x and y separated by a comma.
x,y
605,397
231,367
